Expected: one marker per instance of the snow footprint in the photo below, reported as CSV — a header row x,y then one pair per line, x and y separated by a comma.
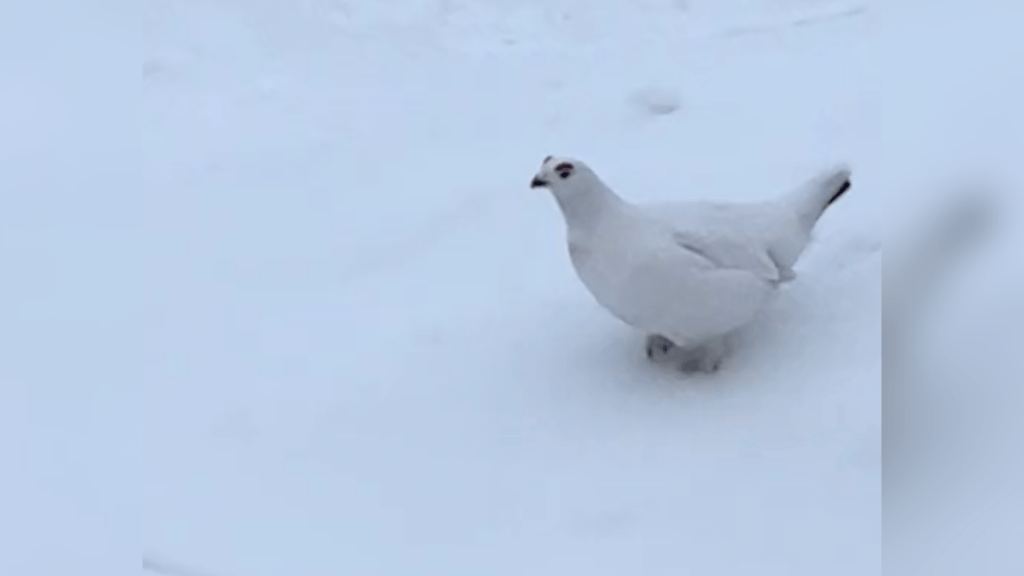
x,y
656,101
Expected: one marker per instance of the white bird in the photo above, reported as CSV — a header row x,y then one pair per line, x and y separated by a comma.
x,y
688,274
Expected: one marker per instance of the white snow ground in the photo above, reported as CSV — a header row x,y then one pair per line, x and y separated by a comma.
x,y
377,358
374,358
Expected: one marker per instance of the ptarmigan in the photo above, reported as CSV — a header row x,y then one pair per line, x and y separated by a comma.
x,y
688,274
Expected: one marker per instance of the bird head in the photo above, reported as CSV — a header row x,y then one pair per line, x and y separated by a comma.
x,y
565,177
581,195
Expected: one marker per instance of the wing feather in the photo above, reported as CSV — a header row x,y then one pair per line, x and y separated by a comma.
x,y
735,252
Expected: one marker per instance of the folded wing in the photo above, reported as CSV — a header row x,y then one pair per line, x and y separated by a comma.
x,y
729,251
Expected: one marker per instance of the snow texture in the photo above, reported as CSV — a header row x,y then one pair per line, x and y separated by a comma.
x,y
378,357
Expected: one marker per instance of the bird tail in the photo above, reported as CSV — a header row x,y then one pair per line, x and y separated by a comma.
x,y
811,198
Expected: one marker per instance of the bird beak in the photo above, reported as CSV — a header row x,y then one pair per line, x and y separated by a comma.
x,y
538,183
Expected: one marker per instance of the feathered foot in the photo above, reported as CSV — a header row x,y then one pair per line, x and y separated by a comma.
x,y
706,357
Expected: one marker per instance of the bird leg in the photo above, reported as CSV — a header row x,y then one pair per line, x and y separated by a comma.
x,y
659,348
706,357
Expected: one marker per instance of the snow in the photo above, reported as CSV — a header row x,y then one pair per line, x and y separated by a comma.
x,y
365,349
377,357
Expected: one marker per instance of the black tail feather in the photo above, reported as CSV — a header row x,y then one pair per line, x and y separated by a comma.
x,y
842,190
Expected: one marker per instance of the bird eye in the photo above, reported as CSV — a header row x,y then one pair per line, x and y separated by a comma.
x,y
564,169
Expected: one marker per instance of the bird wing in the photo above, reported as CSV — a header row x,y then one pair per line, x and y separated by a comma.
x,y
733,251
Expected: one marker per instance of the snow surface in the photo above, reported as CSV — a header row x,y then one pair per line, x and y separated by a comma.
x,y
367,352
377,357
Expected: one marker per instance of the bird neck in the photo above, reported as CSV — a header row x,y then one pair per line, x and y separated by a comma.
x,y
584,210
